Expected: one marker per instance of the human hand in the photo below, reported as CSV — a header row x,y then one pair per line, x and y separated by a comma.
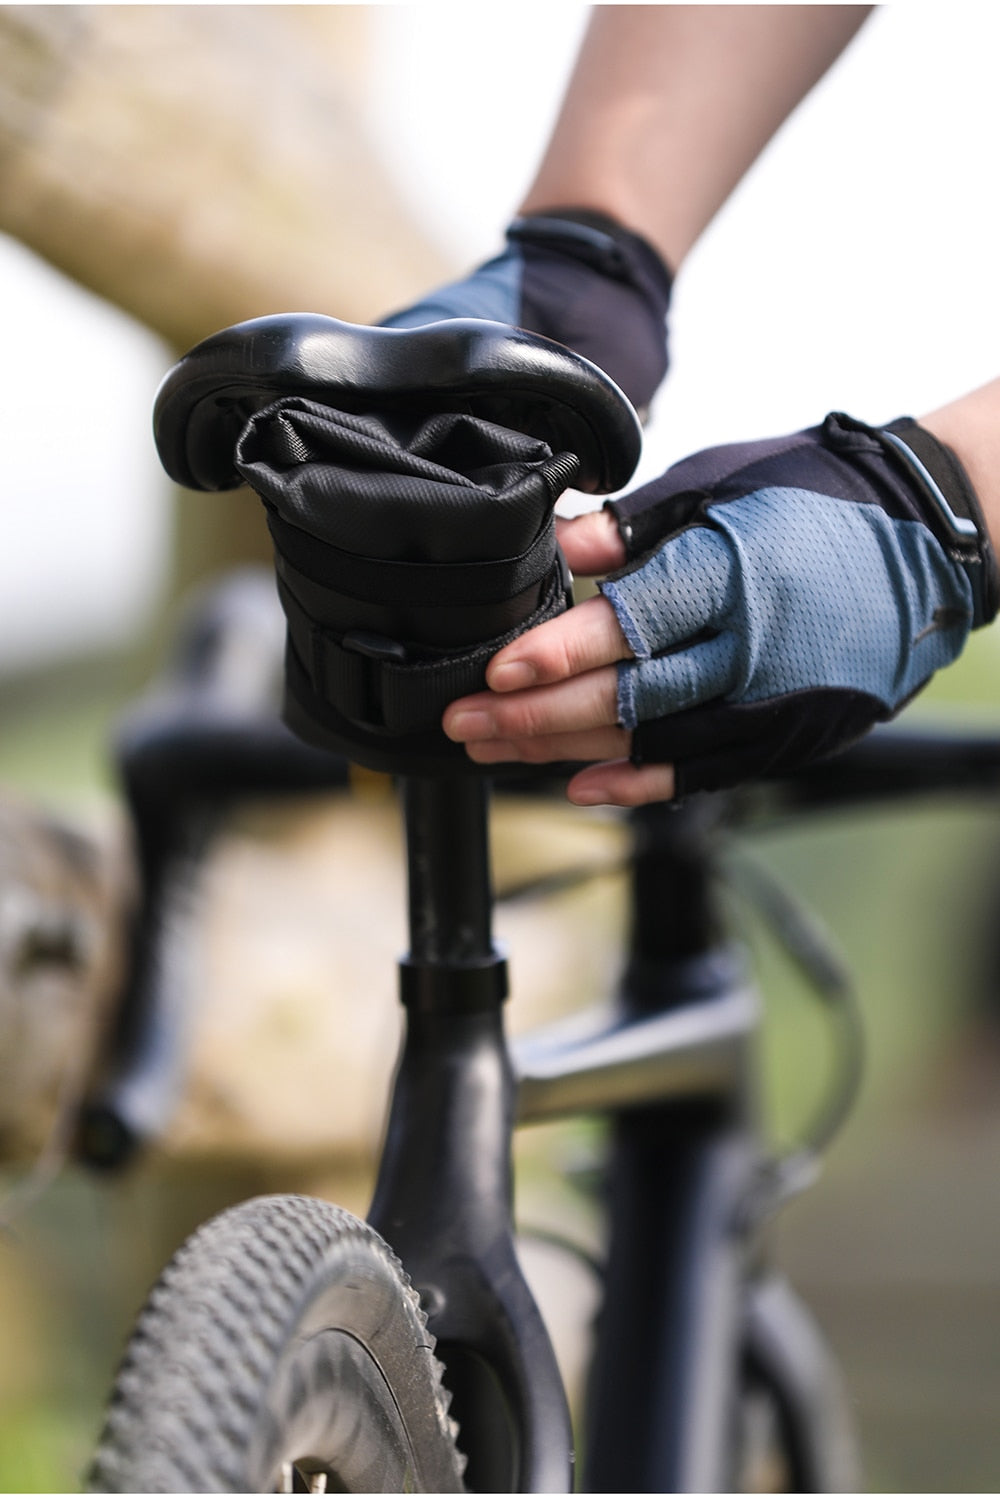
x,y
554,694
579,278
789,594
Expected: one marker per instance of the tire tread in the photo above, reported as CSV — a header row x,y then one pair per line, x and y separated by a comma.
x,y
210,1336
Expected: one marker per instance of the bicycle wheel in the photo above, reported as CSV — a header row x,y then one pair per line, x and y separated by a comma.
x,y
795,1433
282,1350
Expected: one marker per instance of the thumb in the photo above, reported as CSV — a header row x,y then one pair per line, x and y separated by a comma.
x,y
591,543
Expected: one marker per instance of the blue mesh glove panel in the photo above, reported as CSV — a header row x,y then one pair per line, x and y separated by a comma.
x,y
578,278
806,588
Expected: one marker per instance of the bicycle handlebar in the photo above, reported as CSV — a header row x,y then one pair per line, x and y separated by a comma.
x,y
892,763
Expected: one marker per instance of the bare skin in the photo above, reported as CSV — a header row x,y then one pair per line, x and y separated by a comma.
x,y
553,691
669,105
971,428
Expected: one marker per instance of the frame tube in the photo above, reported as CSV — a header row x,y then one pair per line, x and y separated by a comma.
x,y
444,1191
601,1062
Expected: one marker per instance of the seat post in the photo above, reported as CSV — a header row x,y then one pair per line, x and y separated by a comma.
x,y
452,965
447,846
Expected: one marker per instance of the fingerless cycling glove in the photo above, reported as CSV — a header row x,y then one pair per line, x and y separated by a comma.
x,y
577,277
793,592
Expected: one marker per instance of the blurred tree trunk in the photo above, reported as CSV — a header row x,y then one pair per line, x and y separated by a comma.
x,y
197,165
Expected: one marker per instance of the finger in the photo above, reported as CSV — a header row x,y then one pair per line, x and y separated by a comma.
x,y
592,744
619,783
682,679
586,702
692,584
583,638
591,543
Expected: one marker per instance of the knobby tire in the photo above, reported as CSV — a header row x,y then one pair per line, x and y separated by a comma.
x,y
281,1348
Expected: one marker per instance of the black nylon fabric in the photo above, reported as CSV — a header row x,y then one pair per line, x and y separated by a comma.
x,y
401,696
415,583
408,550
441,488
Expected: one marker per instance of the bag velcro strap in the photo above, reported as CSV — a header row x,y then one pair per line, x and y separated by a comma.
x,y
381,684
420,584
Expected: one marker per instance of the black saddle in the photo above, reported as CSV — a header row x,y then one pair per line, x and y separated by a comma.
x,y
409,478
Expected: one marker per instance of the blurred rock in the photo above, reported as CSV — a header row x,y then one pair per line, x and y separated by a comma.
x,y
61,905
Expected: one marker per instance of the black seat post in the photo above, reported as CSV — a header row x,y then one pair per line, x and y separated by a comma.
x,y
447,847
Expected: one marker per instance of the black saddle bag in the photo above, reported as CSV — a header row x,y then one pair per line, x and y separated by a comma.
x,y
409,548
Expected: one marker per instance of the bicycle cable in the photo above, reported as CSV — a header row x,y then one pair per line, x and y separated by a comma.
x,y
811,947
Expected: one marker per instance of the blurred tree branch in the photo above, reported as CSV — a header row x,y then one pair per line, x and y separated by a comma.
x,y
196,165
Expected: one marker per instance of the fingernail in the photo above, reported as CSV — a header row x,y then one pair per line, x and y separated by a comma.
x,y
509,676
589,796
469,725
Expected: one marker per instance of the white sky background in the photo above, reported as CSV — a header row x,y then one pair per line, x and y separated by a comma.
x,y
857,267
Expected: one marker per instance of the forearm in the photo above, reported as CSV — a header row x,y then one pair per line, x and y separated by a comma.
x,y
670,104
971,428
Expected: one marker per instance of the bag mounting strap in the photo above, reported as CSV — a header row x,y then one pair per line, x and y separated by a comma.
x,y
382,684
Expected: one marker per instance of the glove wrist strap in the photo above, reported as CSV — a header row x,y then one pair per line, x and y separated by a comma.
x,y
954,513
602,242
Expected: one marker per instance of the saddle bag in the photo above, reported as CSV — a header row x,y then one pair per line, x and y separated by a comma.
x,y
409,547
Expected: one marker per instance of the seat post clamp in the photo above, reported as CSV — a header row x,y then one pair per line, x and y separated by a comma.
x,y
457,988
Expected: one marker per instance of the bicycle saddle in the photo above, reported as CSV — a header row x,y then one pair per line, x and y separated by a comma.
x,y
409,478
501,374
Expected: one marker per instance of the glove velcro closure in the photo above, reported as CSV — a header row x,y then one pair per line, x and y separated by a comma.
x,y
601,242
944,497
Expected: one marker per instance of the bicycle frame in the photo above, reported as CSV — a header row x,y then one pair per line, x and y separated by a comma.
x,y
672,1065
